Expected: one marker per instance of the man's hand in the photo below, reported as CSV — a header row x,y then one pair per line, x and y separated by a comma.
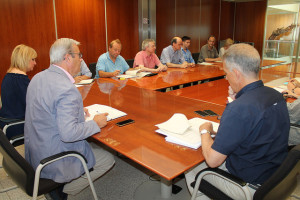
x,y
184,65
231,93
78,79
191,64
86,112
208,126
101,119
116,72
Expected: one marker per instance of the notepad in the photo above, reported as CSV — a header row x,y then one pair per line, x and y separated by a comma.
x,y
190,137
206,63
133,74
98,109
85,82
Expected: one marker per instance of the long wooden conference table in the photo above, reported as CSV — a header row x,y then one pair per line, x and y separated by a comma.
x,y
138,98
139,141
176,76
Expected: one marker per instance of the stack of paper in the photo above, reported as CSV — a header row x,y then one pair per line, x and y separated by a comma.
x,y
87,81
133,74
280,88
98,109
180,130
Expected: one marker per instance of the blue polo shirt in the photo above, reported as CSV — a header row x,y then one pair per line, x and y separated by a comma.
x,y
107,65
187,55
253,133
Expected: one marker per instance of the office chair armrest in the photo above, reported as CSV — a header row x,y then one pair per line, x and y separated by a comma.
x,y
58,156
9,120
222,174
17,140
295,125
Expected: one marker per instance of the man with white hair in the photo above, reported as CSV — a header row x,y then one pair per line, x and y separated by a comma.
x,y
146,59
55,122
252,138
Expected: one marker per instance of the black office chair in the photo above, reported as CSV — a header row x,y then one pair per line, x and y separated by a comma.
x,y
195,57
18,139
279,186
22,173
130,62
92,67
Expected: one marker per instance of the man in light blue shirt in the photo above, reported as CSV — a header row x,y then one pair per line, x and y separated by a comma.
x,y
186,42
111,64
172,55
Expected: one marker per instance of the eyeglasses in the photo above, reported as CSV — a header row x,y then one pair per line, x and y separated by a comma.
x,y
79,54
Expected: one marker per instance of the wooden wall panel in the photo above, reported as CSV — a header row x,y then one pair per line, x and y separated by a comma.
x,y
165,24
227,20
210,11
29,22
250,21
83,21
188,21
122,23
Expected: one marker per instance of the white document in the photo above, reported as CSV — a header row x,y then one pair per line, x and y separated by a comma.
x,y
280,88
133,74
191,137
98,109
206,63
178,124
84,82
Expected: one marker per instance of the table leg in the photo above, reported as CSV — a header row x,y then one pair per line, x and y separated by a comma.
x,y
165,188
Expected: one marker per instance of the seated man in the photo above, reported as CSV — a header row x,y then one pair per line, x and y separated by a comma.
x,y
252,138
55,122
186,42
208,52
84,73
172,55
111,64
146,59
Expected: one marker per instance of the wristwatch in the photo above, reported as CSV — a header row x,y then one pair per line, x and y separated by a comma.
x,y
204,131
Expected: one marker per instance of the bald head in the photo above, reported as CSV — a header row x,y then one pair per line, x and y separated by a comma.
x,y
244,58
176,43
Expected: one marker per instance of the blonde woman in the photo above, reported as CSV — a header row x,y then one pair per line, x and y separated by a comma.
x,y
228,43
14,87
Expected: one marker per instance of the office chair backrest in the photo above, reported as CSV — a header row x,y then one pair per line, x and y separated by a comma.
x,y
195,57
92,67
282,183
15,165
130,62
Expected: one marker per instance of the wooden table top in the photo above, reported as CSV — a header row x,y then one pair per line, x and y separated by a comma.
x,y
266,63
214,92
139,141
176,76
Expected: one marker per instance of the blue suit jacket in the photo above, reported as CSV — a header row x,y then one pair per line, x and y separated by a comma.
x,y
54,122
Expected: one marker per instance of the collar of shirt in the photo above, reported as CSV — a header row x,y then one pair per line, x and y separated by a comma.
x,y
249,87
67,73
145,54
171,49
108,57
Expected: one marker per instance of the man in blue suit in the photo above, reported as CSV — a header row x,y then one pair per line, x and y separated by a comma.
x,y
55,121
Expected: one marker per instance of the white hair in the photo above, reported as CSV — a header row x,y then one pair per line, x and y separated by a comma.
x,y
243,57
60,48
146,42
